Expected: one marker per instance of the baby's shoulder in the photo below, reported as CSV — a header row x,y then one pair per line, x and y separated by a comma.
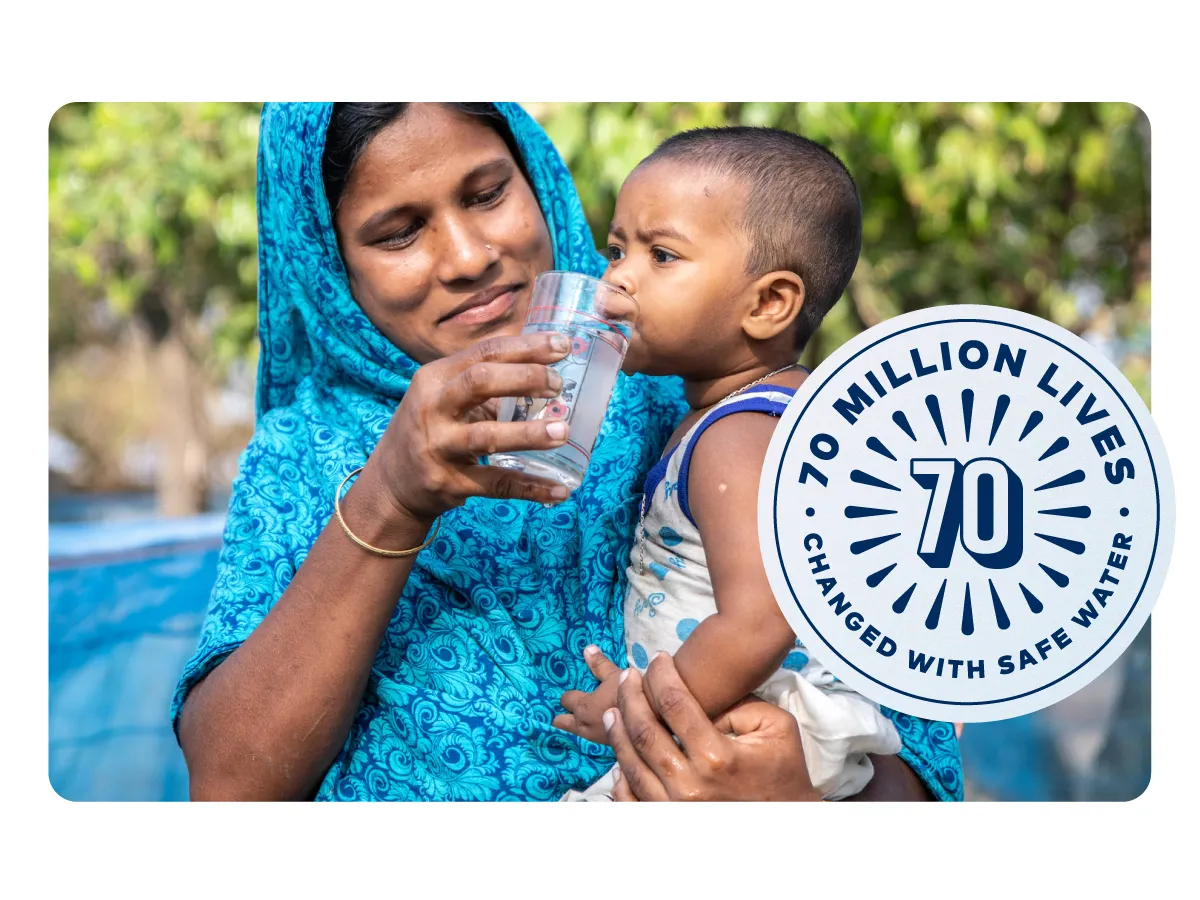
x,y
732,444
718,478
739,429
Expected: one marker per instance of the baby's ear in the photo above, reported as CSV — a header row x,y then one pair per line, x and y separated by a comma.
x,y
778,298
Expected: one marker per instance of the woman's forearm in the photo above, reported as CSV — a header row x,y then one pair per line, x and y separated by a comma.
x,y
269,720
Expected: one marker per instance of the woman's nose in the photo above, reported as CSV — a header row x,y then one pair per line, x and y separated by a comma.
x,y
465,254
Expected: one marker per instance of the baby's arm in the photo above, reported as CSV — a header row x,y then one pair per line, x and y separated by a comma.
x,y
731,653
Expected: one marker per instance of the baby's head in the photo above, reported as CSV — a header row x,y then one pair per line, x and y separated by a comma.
x,y
735,242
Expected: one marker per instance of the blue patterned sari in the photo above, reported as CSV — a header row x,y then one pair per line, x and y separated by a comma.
x,y
490,628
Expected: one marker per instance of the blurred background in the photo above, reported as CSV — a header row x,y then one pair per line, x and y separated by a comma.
x,y
1040,207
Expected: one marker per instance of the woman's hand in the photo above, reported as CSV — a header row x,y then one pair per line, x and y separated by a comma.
x,y
765,761
427,460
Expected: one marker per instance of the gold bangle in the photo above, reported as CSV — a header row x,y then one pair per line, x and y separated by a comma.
x,y
378,551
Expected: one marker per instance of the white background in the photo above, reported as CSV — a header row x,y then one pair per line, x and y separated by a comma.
x,y
58,53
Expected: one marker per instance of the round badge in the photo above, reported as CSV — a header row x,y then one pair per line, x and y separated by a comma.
x,y
966,513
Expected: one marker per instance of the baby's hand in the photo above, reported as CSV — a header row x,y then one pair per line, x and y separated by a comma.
x,y
585,711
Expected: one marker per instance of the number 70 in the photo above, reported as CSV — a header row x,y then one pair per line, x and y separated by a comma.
x,y
979,503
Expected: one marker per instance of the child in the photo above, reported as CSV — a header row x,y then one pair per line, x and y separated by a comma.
x,y
735,242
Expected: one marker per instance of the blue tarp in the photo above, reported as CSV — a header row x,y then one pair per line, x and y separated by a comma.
x,y
126,602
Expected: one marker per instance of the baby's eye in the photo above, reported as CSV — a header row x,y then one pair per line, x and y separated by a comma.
x,y
661,256
614,253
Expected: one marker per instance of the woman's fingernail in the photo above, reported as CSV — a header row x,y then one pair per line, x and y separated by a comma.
x,y
560,492
608,718
560,343
554,379
590,650
624,675
616,773
557,430
660,653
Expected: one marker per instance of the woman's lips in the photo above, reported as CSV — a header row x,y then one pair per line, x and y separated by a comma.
x,y
489,311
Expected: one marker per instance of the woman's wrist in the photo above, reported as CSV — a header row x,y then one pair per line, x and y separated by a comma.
x,y
370,510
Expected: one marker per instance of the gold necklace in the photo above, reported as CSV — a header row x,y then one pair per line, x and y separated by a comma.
x,y
747,387
645,504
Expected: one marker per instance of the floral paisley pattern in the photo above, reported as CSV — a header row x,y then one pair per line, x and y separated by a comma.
x,y
490,628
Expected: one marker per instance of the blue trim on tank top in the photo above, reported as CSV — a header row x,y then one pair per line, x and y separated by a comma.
x,y
653,479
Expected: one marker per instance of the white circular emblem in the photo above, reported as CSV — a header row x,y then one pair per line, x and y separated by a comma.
x,y
966,513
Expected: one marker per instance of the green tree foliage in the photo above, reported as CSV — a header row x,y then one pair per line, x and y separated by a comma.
x,y
152,225
152,217
1038,207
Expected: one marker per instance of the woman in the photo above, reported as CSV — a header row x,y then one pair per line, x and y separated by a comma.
x,y
386,253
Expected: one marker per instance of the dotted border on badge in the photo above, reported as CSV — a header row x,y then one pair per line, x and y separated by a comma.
x,y
1157,512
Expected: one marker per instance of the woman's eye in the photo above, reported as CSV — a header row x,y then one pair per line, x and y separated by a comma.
x,y
401,238
662,257
487,198
614,253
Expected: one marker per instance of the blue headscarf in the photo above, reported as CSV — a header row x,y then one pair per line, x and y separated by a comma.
x,y
490,628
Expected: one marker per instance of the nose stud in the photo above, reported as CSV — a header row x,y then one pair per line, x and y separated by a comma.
x,y
489,246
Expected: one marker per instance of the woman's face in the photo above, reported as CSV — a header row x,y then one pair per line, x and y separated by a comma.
x,y
441,234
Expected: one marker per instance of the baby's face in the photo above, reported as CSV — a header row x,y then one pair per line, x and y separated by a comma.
x,y
675,246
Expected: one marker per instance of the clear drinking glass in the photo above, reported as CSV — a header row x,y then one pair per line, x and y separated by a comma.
x,y
597,317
